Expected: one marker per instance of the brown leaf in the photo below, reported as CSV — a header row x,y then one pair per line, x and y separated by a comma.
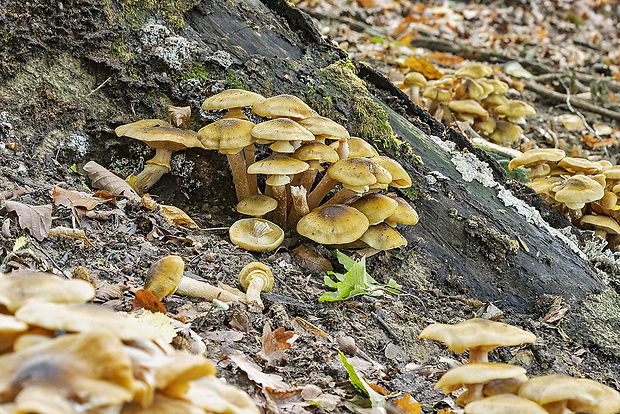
x,y
69,199
254,373
273,345
37,219
177,217
145,299
105,180
105,195
423,66
307,259
409,405
594,142
445,59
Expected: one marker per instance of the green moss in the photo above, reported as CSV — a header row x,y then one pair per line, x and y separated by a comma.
x,y
197,71
134,13
121,50
411,193
235,82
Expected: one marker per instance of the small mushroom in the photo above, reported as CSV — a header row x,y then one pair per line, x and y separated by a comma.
x,y
376,207
474,71
535,158
255,278
256,235
504,404
415,81
467,110
333,224
324,128
506,132
165,277
580,165
234,100
383,237
578,190
357,148
400,177
515,111
555,392
257,205
314,153
404,214
288,106
283,132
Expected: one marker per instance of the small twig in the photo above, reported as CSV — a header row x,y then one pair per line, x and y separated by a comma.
x,y
385,326
99,87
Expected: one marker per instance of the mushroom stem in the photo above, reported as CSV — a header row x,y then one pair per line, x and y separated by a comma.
x,y
300,205
235,113
240,176
478,355
153,170
342,196
253,293
414,94
558,407
250,157
474,393
279,214
307,179
320,191
196,289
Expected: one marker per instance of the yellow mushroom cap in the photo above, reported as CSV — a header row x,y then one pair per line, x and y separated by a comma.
x,y
475,71
498,86
477,373
404,214
10,330
545,185
583,165
469,88
536,156
232,98
256,269
515,109
555,388
22,287
607,400
383,237
436,93
400,178
602,222
611,172
257,205
315,151
159,134
415,79
477,333
319,125
164,276
468,106
282,129
283,105
494,99
577,190
228,135
358,148
333,224
278,165
504,404
376,207
256,235
506,132
359,172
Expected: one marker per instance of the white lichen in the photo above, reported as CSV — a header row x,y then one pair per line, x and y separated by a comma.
x,y
78,142
6,127
181,166
158,41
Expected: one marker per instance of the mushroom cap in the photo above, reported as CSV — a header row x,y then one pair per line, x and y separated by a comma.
x,y
611,172
474,70
578,189
545,185
477,373
10,329
278,164
607,399
495,99
436,93
231,98
515,109
159,134
256,235
281,129
316,151
319,125
536,156
487,126
56,316
358,172
477,333
22,287
415,79
602,222
253,270
498,86
583,165
333,224
376,207
555,388
383,237
404,213
468,106
164,276
257,205
506,132
504,404
283,105
469,88
400,178
358,148
228,135
87,370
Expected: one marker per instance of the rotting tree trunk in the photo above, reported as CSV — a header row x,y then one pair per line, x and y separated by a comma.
x,y
83,69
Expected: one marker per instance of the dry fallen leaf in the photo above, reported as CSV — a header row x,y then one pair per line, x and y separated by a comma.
x,y
409,404
445,59
423,66
37,219
105,180
255,373
177,217
69,198
594,142
77,234
273,345
148,202
145,299
307,259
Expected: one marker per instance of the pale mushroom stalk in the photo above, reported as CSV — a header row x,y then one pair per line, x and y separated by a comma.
x,y
250,157
279,214
255,278
154,169
320,191
235,113
240,176
558,407
307,179
197,289
300,205
477,354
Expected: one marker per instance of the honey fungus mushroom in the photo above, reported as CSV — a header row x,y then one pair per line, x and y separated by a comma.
x,y
165,139
234,100
480,336
256,235
333,224
537,159
255,278
279,106
324,128
504,404
282,131
257,205
578,190
383,237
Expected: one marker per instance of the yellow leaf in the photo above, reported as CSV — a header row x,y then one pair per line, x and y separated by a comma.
x,y
409,404
445,411
423,66
177,217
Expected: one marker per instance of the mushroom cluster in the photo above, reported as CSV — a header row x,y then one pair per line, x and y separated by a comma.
x,y
585,190
61,355
471,95
299,145
504,389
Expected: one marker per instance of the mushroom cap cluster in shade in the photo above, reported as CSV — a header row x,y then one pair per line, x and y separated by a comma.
x,y
473,96
586,190
301,146
503,388
59,354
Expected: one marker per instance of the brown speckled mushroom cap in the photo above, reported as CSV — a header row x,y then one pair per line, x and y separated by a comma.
x,y
282,131
358,148
159,134
278,165
315,153
358,173
164,276
583,165
536,156
231,98
257,205
477,334
333,224
578,190
602,222
325,127
229,136
404,214
383,237
477,373
376,207
504,404
468,107
283,106
400,178
256,235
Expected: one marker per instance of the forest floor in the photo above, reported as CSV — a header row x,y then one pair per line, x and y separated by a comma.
x,y
281,369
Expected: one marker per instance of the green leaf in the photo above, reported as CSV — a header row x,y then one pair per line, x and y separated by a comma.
x,y
376,399
344,260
